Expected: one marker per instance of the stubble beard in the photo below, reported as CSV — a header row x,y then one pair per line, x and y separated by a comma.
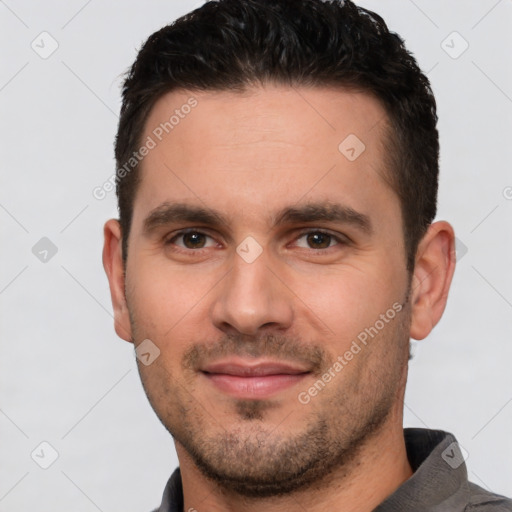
x,y
257,461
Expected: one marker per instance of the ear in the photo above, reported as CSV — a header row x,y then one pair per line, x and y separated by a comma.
x,y
114,268
433,272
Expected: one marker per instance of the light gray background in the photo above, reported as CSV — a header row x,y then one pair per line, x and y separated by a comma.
x,y
68,380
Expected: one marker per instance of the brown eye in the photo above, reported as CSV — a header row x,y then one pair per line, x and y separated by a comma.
x,y
193,240
319,240
190,240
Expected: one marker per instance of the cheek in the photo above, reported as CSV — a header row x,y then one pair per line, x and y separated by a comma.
x,y
338,304
163,300
345,302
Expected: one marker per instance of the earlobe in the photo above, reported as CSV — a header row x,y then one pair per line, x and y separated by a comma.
x,y
114,268
433,273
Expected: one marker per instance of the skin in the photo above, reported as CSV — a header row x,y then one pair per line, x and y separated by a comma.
x,y
302,300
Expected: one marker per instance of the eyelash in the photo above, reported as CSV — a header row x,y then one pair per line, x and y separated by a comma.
x,y
341,240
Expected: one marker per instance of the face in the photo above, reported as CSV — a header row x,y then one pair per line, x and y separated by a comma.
x,y
266,263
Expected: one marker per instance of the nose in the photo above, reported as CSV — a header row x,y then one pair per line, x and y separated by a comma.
x,y
252,298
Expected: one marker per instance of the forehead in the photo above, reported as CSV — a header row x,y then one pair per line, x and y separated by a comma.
x,y
270,113
265,147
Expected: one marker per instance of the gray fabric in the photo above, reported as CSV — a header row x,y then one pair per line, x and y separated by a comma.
x,y
439,483
440,479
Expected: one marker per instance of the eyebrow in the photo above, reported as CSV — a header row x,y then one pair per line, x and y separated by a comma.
x,y
326,211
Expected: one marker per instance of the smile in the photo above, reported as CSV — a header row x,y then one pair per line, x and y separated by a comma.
x,y
262,379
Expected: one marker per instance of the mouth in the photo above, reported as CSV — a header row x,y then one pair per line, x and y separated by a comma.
x,y
253,379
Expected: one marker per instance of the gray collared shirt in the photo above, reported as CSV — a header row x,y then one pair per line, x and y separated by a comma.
x,y
439,483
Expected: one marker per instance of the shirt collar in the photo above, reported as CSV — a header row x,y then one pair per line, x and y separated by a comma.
x,y
440,479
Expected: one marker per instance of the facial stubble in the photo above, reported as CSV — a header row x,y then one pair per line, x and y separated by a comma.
x,y
256,459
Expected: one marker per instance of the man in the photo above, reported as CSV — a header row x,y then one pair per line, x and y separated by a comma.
x,y
277,182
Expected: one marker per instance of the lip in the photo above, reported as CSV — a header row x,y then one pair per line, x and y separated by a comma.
x,y
253,379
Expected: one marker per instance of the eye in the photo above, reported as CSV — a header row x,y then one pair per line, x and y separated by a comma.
x,y
192,239
319,240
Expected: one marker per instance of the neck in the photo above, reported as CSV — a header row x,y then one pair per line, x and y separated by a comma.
x,y
379,469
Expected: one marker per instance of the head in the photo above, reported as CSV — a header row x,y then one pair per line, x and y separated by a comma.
x,y
295,142
233,46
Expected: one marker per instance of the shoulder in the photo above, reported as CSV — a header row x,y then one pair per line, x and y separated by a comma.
x,y
481,500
